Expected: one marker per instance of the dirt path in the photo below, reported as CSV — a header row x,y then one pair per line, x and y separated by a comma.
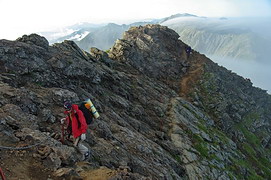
x,y
102,173
21,165
192,76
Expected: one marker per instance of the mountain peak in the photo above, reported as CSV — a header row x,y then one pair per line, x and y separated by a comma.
x,y
177,16
140,45
34,39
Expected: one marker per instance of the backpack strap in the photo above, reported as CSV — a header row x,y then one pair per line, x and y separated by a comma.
x,y
78,122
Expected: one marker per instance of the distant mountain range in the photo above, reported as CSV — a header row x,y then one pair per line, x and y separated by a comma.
x,y
105,36
176,16
101,36
234,38
239,44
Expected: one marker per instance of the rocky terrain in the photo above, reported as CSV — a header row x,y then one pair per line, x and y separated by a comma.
x,y
163,115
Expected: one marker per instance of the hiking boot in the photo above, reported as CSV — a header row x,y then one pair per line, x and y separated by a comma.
x,y
86,155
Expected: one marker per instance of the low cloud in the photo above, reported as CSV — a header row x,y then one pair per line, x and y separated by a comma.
x,y
258,72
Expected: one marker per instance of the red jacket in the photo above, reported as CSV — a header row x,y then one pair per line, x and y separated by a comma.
x,y
72,118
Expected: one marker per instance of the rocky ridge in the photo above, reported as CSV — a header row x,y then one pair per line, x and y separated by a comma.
x,y
163,115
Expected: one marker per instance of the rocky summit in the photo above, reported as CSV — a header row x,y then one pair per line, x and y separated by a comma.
x,y
164,114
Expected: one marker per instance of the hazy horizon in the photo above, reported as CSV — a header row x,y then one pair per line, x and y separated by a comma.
x,y
30,16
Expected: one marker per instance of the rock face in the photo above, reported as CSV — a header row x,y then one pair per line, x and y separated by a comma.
x,y
35,39
163,115
139,48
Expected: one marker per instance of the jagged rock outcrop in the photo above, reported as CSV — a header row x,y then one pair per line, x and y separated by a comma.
x,y
34,39
139,48
148,129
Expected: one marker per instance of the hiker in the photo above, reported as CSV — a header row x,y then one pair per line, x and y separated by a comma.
x,y
188,51
77,126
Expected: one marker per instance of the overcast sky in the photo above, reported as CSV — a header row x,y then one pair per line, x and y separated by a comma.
x,y
18,17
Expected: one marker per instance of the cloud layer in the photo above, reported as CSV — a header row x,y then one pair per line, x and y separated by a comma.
x,y
19,17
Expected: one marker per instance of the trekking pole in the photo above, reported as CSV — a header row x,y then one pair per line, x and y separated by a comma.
x,y
2,174
62,133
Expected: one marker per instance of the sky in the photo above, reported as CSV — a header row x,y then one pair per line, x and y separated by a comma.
x,y
18,17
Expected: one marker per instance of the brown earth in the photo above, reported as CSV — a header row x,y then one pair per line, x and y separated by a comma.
x,y
192,76
24,166
102,173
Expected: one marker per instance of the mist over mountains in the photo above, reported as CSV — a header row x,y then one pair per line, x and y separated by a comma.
x,y
236,38
239,44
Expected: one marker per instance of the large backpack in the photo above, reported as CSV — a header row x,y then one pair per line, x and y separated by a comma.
x,y
87,113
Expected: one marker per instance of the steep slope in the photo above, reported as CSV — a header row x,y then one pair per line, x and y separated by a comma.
x,y
239,44
236,107
242,112
147,129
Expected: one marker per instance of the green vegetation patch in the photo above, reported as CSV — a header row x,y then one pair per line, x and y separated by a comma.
x,y
177,158
249,150
255,152
208,88
250,118
250,137
202,149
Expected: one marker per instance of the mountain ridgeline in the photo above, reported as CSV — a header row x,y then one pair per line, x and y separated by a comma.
x,y
164,115
221,38
239,44
102,37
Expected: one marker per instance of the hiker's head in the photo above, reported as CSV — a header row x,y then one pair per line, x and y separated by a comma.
x,y
67,105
